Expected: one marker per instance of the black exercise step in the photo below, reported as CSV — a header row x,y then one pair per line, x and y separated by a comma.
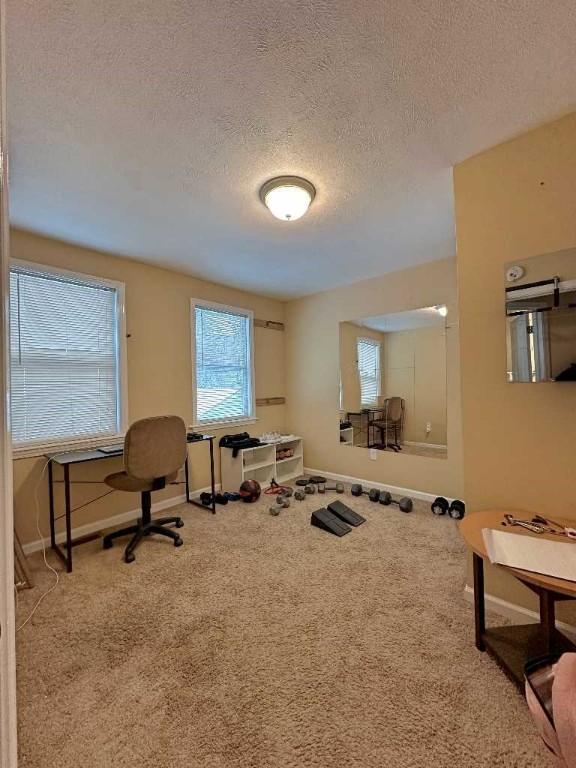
x,y
327,521
345,513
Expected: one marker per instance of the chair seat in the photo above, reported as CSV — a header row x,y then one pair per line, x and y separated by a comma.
x,y
122,481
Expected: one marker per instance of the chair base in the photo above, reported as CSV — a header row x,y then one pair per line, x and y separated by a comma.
x,y
141,530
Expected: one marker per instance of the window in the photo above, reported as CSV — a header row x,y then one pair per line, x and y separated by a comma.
x,y
369,371
223,369
66,339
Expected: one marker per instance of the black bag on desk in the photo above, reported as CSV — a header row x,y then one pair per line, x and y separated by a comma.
x,y
236,442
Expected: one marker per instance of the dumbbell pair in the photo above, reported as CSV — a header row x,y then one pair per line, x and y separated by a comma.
x,y
456,510
307,490
384,497
405,504
357,490
282,502
338,487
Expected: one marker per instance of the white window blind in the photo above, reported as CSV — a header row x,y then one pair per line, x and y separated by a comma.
x,y
223,363
369,371
63,356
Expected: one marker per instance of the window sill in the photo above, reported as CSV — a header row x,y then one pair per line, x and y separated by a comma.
x,y
41,449
218,425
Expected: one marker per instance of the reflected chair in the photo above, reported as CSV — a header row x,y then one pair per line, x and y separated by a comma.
x,y
154,450
389,422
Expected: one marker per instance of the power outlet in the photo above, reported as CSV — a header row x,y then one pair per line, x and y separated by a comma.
x,y
373,454
428,427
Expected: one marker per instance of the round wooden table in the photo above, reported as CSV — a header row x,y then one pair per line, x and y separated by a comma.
x,y
512,646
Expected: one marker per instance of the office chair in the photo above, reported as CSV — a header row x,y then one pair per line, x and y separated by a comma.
x,y
389,421
154,451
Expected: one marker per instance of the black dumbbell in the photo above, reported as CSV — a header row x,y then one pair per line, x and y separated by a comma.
x,y
357,490
440,506
457,509
405,502
322,487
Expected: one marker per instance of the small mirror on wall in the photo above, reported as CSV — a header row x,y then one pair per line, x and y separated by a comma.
x,y
541,318
393,382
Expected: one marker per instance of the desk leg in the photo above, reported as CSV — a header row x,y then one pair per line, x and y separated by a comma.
x,y
547,618
212,478
187,477
479,608
51,505
68,518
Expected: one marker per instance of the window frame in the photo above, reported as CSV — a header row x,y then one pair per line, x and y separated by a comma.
x,y
249,314
33,448
378,344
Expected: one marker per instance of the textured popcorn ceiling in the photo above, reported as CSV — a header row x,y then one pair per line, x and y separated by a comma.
x,y
146,128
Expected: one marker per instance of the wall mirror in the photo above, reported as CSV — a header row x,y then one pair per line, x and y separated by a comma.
x,y
393,382
541,318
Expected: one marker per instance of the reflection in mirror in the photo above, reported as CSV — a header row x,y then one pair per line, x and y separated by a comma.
x,y
541,318
393,382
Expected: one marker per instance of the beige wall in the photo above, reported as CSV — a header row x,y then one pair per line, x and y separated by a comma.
x,y
415,369
159,367
512,202
313,375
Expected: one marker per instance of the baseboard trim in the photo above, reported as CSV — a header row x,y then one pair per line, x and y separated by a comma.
x,y
514,612
110,522
439,446
394,489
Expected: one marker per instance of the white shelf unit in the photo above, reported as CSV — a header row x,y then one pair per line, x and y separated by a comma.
x,y
348,435
260,463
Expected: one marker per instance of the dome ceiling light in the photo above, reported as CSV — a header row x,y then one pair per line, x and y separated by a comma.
x,y
287,197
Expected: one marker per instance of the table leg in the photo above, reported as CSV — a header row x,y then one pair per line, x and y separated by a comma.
x,y
547,618
187,478
51,505
68,518
212,478
479,607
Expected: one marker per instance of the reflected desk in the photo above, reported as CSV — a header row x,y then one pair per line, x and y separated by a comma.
x,y
512,646
68,458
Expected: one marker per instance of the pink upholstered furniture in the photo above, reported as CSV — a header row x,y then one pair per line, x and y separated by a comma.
x,y
551,697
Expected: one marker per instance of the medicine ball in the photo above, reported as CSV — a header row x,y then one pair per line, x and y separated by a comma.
x,y
250,491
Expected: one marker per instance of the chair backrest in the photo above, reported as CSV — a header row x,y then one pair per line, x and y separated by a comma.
x,y
155,447
395,408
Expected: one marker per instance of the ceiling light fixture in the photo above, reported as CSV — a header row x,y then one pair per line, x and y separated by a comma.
x,y
442,310
287,197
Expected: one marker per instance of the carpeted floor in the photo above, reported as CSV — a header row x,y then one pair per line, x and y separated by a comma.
x,y
265,643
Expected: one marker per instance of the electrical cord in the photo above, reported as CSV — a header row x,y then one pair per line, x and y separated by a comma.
x,y
81,506
46,563
274,488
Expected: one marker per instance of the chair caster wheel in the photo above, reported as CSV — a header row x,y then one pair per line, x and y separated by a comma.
x,y
179,523
130,557
106,544
178,542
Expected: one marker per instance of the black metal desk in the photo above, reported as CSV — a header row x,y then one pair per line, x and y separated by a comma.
x,y
67,459
368,414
